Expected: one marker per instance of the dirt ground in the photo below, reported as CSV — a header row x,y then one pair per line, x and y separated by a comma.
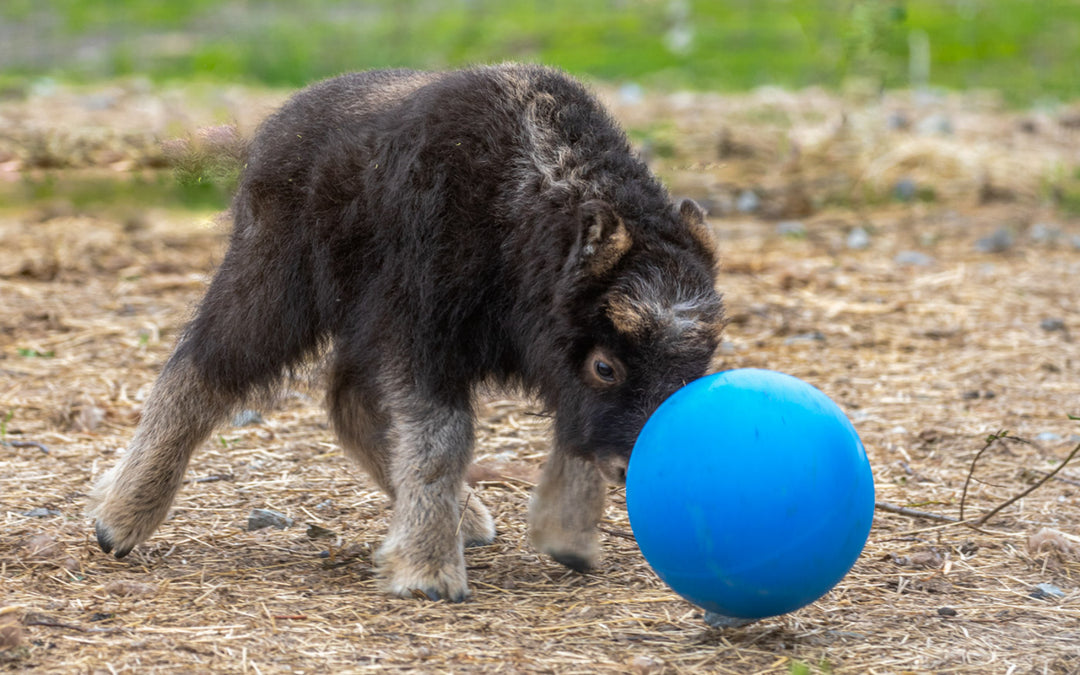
x,y
934,319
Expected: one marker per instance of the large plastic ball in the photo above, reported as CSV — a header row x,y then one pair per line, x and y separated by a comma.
x,y
749,493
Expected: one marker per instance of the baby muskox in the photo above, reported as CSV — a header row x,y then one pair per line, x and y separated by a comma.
x,y
440,232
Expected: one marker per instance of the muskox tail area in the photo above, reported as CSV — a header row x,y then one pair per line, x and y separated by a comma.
x,y
257,321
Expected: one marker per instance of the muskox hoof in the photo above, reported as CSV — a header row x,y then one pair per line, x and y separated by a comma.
x,y
411,573
434,595
105,541
573,561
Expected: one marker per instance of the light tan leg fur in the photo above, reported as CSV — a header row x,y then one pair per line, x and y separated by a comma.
x,y
565,509
131,500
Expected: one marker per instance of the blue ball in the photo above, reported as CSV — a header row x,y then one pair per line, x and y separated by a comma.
x,y
749,493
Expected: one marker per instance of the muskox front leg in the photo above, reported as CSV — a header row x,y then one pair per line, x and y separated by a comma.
x,y
565,508
423,552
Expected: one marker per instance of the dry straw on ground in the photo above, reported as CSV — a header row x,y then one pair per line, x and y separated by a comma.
x,y
928,360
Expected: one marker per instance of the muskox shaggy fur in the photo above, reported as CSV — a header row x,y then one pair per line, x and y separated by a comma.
x,y
436,232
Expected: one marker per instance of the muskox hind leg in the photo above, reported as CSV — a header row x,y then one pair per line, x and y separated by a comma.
x,y
258,318
431,448
130,500
362,423
565,509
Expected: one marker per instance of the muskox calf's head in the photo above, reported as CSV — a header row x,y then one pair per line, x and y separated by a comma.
x,y
647,320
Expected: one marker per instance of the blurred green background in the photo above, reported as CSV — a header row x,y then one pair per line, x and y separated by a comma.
x,y
1029,50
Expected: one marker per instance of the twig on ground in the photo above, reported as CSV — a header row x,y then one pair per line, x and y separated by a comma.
x,y
914,513
990,440
618,533
990,514
26,444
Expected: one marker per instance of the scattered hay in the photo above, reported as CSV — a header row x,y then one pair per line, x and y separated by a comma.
x,y
927,361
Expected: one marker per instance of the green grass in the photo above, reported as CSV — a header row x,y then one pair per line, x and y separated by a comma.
x,y
1028,50
94,194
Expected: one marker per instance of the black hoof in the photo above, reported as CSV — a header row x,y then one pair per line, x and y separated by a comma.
x,y
435,596
573,561
473,543
104,540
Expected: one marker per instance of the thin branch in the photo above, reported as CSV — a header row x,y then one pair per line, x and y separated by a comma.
x,y
1062,479
617,533
913,513
26,444
982,521
990,440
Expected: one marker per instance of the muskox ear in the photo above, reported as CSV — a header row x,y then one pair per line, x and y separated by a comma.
x,y
605,238
693,216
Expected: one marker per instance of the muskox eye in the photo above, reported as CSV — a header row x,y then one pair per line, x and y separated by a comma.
x,y
604,371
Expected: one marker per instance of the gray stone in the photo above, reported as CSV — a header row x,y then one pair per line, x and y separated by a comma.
x,y
913,259
937,124
858,239
999,242
1044,233
816,336
1051,324
791,228
247,417
260,518
1047,591
747,202
41,512
905,189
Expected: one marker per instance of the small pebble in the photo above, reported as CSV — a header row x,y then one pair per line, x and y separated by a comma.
x,y
905,189
247,417
1047,591
897,121
316,532
747,202
816,336
913,259
937,124
791,228
946,611
41,512
1044,233
1048,437
260,518
1052,324
858,239
999,242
